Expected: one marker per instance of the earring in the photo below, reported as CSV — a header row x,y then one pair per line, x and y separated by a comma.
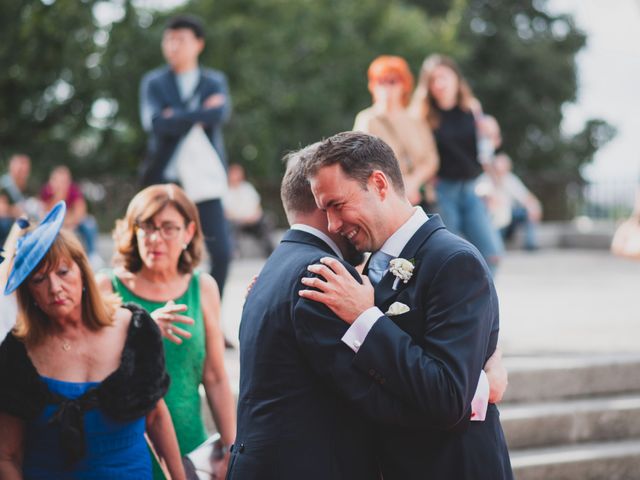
x,y
185,246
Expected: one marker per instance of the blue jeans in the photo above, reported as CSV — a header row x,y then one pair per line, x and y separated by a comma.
x,y
87,230
465,214
519,216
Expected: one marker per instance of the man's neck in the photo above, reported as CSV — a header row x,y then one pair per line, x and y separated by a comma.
x,y
399,212
316,219
186,68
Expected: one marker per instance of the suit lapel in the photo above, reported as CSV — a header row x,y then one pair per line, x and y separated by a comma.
x,y
384,291
171,86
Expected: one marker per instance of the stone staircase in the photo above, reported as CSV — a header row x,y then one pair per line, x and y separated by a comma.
x,y
573,417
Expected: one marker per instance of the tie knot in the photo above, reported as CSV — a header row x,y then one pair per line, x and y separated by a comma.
x,y
378,264
380,260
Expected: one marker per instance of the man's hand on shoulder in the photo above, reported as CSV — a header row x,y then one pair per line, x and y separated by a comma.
x,y
338,289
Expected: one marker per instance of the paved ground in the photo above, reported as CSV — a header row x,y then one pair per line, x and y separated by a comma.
x,y
552,301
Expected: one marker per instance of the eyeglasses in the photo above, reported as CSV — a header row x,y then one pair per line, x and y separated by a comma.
x,y
167,231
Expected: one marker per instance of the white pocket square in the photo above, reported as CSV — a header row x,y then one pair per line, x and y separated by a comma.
x,y
397,308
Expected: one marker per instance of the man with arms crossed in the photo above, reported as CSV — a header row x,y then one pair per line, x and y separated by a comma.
x,y
445,301
173,99
302,406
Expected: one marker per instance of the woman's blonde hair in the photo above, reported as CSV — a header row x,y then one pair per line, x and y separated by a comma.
x,y
142,208
424,105
98,309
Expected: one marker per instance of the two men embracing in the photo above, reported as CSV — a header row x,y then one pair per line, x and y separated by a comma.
x,y
380,375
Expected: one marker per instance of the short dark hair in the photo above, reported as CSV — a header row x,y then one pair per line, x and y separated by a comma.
x,y
295,190
190,22
359,155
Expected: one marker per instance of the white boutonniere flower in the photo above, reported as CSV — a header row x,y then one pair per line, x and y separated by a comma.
x,y
397,308
402,269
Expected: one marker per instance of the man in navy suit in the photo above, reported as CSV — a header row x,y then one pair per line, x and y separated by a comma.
x,y
303,410
441,320
174,98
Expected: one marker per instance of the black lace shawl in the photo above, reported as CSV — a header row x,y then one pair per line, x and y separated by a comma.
x,y
128,393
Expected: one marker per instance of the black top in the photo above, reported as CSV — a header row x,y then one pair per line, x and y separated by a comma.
x,y
457,145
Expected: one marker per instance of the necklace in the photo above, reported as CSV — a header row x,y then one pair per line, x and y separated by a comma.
x,y
66,346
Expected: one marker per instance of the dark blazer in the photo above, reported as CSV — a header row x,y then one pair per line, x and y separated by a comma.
x,y
453,330
158,91
302,406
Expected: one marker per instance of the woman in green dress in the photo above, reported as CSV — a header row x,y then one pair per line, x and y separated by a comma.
x,y
158,245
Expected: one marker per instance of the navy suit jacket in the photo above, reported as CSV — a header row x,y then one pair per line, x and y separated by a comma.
x,y
452,328
303,408
158,91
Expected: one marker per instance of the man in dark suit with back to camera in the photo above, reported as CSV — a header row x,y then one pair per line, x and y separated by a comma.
x,y
441,312
303,411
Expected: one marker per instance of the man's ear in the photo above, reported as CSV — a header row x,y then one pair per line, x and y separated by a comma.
x,y
379,184
200,45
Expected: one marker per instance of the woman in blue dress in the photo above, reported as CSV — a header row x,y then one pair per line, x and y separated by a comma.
x,y
81,378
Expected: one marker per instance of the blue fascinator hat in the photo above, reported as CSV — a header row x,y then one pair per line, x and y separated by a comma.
x,y
33,246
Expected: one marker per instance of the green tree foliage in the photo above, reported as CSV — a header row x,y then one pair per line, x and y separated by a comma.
x,y
296,69
47,95
520,60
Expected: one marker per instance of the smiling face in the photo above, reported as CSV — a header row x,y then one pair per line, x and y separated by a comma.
x,y
161,239
58,291
352,211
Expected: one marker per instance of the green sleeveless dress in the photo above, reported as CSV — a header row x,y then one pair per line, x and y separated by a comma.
x,y
184,364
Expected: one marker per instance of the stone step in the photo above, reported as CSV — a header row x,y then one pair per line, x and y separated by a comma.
x,y
542,378
571,421
592,461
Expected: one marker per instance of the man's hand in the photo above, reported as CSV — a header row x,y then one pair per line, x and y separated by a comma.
x,y
214,101
497,375
338,290
167,316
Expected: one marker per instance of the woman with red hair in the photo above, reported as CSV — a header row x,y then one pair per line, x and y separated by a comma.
x,y
391,85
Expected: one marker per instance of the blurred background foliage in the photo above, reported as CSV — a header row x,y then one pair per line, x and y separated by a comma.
x,y
297,73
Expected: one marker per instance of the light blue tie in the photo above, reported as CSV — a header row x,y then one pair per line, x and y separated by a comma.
x,y
378,265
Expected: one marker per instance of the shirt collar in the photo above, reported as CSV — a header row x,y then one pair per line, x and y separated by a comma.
x,y
399,239
321,235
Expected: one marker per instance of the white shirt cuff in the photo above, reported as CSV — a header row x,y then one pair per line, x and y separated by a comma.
x,y
358,331
480,400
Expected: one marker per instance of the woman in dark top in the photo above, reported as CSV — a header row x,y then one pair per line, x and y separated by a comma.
x,y
445,100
